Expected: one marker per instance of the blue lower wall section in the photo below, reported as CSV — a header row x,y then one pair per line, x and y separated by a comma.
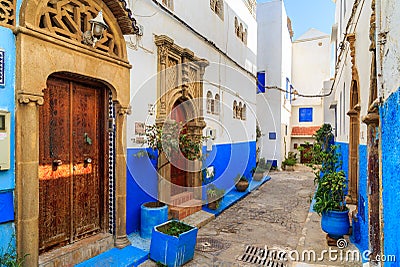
x,y
141,186
230,160
361,235
390,140
7,242
343,151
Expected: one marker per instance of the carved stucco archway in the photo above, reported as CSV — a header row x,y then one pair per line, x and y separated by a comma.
x,y
354,134
48,41
180,78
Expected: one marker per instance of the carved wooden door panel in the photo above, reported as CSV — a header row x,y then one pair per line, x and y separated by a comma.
x,y
72,163
178,168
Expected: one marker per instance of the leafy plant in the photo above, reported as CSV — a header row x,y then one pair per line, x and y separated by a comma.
x,y
9,258
174,228
329,177
290,160
215,194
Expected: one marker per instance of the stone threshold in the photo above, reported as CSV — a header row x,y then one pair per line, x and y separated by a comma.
x,y
78,252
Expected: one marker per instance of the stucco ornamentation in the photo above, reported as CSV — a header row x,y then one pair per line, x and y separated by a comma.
x,y
26,98
7,12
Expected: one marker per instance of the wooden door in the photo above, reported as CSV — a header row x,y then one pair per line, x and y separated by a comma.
x,y
178,168
72,163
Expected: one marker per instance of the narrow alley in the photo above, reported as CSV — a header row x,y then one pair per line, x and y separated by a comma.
x,y
277,217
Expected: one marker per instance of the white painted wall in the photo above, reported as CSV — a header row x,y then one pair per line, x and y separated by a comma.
x,y
274,57
311,65
391,60
236,84
342,83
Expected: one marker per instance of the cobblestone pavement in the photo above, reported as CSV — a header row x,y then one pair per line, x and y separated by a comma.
x,y
273,217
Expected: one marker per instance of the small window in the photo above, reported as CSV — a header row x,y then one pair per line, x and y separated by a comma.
x,y
237,32
218,7
295,146
272,135
305,114
234,109
169,4
239,114
240,31
260,82
244,112
216,104
209,102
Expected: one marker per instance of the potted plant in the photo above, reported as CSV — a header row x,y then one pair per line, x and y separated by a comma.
x,y
331,184
214,196
152,214
259,170
241,183
173,243
289,162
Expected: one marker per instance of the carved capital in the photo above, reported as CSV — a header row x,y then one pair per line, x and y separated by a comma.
x,y
164,44
27,97
123,111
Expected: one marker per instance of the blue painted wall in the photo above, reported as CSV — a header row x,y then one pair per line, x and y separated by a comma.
x,y
390,123
229,160
343,151
7,103
141,186
362,240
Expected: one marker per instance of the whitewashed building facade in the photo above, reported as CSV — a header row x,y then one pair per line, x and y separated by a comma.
x,y
274,61
205,50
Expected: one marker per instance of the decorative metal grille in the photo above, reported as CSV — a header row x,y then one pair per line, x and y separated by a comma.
x,y
111,164
70,19
264,257
7,12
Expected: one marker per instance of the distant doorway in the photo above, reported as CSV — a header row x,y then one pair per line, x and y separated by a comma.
x,y
305,157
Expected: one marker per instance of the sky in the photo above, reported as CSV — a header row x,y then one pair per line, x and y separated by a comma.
x,y
306,14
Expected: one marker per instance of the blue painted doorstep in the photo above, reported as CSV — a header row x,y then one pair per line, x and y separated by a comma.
x,y
126,257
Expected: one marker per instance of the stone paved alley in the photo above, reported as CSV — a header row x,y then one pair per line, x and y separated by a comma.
x,y
276,215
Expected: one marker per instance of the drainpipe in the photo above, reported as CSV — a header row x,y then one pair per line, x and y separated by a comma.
x,y
380,39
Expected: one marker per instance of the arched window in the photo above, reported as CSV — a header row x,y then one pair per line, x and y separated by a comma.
x,y
235,109
236,27
244,112
240,35
209,102
216,104
239,114
245,36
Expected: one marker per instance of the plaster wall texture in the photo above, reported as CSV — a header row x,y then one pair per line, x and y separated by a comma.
x,y
390,126
275,58
342,83
341,96
7,104
390,58
311,65
236,84
222,77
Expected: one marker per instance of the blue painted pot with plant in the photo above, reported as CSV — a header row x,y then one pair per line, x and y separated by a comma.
x,y
331,184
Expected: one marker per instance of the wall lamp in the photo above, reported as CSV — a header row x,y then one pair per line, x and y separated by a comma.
x,y
95,34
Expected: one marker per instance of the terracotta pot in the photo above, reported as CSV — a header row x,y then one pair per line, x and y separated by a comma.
x,y
241,186
258,176
213,205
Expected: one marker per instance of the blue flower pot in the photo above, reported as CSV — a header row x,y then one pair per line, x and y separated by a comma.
x,y
152,214
335,223
170,250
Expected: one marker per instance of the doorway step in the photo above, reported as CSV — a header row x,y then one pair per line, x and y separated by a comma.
x,y
183,205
